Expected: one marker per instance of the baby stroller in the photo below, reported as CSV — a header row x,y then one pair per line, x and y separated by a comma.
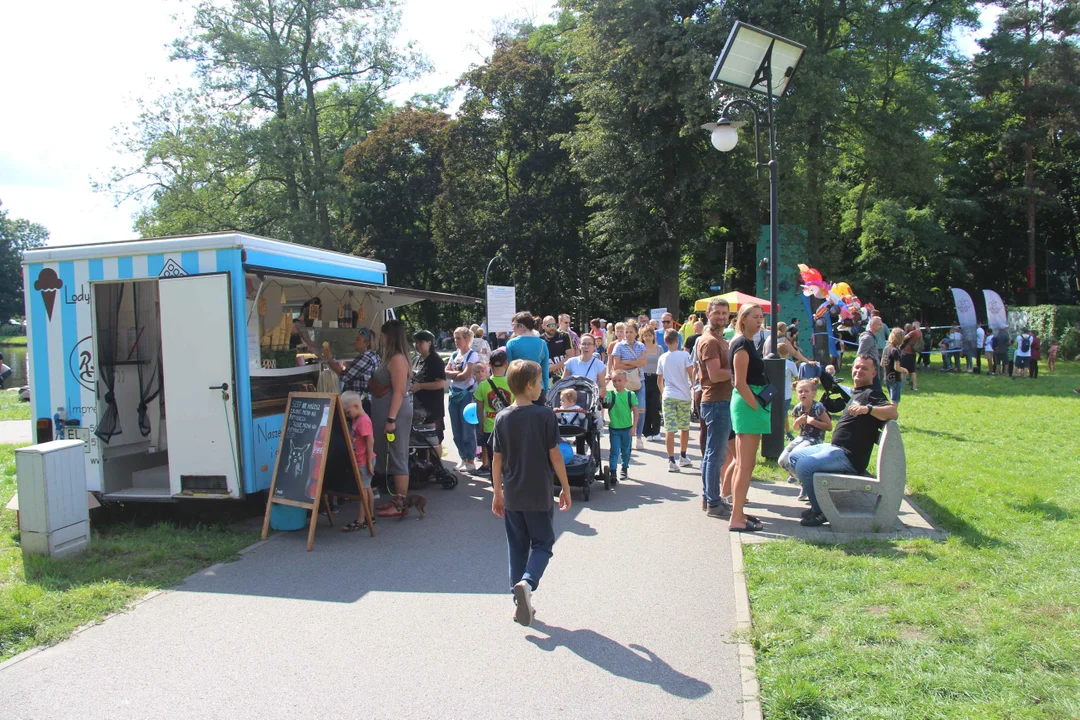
x,y
425,465
587,464
835,398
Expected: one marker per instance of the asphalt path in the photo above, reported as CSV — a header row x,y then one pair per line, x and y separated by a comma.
x,y
635,617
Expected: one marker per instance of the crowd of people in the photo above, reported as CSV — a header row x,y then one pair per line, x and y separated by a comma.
x,y
657,379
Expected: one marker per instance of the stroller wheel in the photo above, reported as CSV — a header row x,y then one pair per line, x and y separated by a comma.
x,y
585,491
448,479
606,475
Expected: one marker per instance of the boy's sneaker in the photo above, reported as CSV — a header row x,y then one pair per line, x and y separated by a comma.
x,y
802,496
523,615
672,467
684,461
814,520
791,479
624,474
639,444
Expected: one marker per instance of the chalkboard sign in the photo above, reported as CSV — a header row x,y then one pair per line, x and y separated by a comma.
x,y
315,458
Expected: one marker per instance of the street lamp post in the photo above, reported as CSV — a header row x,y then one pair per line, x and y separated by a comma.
x,y
757,60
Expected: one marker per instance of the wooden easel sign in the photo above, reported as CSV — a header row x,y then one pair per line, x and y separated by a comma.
x,y
315,460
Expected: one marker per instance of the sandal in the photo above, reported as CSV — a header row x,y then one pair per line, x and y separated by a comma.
x,y
750,526
354,526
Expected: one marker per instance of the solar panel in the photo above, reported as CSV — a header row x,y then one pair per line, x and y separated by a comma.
x,y
744,53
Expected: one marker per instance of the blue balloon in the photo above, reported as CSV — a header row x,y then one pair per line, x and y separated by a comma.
x,y
470,414
567,452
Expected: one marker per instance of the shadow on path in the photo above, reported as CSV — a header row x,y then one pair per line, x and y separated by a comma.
x,y
632,662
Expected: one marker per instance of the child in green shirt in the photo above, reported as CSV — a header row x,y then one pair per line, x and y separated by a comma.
x,y
492,395
619,404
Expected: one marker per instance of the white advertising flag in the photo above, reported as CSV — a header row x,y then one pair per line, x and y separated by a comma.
x,y
965,315
996,315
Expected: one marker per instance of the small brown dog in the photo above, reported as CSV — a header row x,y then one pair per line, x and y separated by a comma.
x,y
416,500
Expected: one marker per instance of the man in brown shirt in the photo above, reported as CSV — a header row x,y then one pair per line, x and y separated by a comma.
x,y
715,375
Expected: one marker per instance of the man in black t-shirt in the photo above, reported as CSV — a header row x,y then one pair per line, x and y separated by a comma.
x,y
560,346
853,437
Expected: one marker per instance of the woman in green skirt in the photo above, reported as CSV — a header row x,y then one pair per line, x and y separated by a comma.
x,y
749,418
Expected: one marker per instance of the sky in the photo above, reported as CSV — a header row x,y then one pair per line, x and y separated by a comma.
x,y
77,69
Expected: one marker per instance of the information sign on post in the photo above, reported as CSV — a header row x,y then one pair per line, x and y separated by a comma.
x,y
657,313
501,308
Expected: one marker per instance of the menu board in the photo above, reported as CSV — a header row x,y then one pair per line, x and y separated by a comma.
x,y
315,458
303,443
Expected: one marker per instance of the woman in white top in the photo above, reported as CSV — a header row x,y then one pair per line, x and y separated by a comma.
x,y
588,364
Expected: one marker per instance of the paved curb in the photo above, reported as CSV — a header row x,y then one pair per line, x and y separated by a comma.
x,y
751,689
26,654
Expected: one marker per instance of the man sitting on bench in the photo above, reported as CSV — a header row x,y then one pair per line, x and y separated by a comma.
x,y
852,440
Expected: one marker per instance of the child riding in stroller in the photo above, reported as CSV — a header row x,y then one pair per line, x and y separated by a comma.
x,y
581,427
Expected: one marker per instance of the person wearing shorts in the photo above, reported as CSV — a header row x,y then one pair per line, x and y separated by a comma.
x,y
674,378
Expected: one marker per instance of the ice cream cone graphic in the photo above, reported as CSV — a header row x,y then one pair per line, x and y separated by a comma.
x,y
48,283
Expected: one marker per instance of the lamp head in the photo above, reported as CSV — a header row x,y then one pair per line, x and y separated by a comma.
x,y
725,133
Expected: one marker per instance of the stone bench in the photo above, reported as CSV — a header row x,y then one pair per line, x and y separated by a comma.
x,y
859,504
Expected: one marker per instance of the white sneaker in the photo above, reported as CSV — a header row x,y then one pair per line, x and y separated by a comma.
x,y
684,462
469,466
638,444
672,467
523,615
657,438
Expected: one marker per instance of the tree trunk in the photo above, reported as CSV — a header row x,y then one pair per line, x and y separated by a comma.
x,y
1029,177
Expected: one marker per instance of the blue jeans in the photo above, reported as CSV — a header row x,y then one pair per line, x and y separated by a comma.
x,y
620,447
640,394
717,417
464,433
530,536
894,391
826,458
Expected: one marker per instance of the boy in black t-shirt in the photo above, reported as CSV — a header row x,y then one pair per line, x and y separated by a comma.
x,y
525,444
852,440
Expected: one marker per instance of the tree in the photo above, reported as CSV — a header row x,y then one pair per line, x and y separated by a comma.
x,y
508,181
16,236
285,87
1025,78
641,73
394,177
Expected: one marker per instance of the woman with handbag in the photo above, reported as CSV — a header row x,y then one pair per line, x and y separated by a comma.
x,y
750,417
649,426
629,355
459,371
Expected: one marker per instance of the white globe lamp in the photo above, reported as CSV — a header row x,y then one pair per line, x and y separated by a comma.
x,y
725,137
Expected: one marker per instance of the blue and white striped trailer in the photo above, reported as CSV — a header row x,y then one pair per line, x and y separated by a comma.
x,y
152,352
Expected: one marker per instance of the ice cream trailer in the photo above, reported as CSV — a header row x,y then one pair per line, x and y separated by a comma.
x,y
172,358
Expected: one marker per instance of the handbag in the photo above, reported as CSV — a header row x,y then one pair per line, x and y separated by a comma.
x,y
765,395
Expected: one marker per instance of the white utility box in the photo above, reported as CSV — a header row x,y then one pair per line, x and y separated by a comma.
x,y
53,516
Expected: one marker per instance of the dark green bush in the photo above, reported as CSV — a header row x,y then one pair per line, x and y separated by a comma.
x,y
9,330
1070,344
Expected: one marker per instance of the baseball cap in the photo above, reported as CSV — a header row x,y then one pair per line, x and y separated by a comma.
x,y
498,358
423,336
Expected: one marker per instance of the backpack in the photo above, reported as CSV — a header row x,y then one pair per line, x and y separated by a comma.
x,y
499,401
1025,343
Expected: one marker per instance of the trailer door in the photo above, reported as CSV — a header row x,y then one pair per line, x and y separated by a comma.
x,y
200,393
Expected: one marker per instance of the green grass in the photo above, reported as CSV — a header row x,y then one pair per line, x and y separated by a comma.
x,y
985,625
11,408
13,341
44,600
